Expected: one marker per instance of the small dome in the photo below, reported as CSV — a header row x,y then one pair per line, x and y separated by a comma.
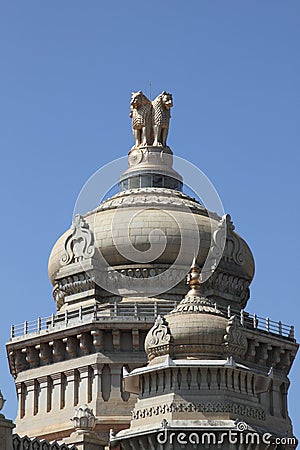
x,y
194,329
197,334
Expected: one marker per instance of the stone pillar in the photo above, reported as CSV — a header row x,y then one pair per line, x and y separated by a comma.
x,y
277,405
56,393
70,389
30,388
96,384
42,406
84,379
19,394
115,370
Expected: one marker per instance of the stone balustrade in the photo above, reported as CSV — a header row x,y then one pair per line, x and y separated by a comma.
x,y
134,311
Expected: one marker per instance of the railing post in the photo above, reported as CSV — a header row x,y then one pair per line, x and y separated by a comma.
x,y
95,312
39,324
292,332
242,317
52,320
25,327
12,331
155,310
268,324
80,313
115,309
135,310
280,328
255,323
228,311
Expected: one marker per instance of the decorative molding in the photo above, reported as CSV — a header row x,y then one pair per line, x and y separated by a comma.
x,y
72,284
78,245
209,407
229,284
153,196
236,342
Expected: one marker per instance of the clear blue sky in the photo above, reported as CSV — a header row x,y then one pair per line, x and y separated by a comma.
x,y
67,71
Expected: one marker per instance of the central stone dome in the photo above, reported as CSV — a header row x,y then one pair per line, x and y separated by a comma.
x,y
140,243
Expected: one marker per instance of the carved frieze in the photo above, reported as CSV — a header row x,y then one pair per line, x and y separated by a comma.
x,y
209,407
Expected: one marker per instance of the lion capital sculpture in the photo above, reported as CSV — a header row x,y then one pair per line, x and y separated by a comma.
x,y
150,120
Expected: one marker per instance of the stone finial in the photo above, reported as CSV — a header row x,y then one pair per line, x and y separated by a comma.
x,y
84,419
2,400
78,245
195,301
194,279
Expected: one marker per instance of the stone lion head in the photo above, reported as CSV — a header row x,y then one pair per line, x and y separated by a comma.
x,y
138,99
167,99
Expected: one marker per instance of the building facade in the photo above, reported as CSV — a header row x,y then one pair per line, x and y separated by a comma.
x,y
119,283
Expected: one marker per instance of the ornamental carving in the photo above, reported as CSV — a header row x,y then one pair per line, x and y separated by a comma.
x,y
209,407
25,443
79,245
84,418
158,339
236,342
226,244
150,120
